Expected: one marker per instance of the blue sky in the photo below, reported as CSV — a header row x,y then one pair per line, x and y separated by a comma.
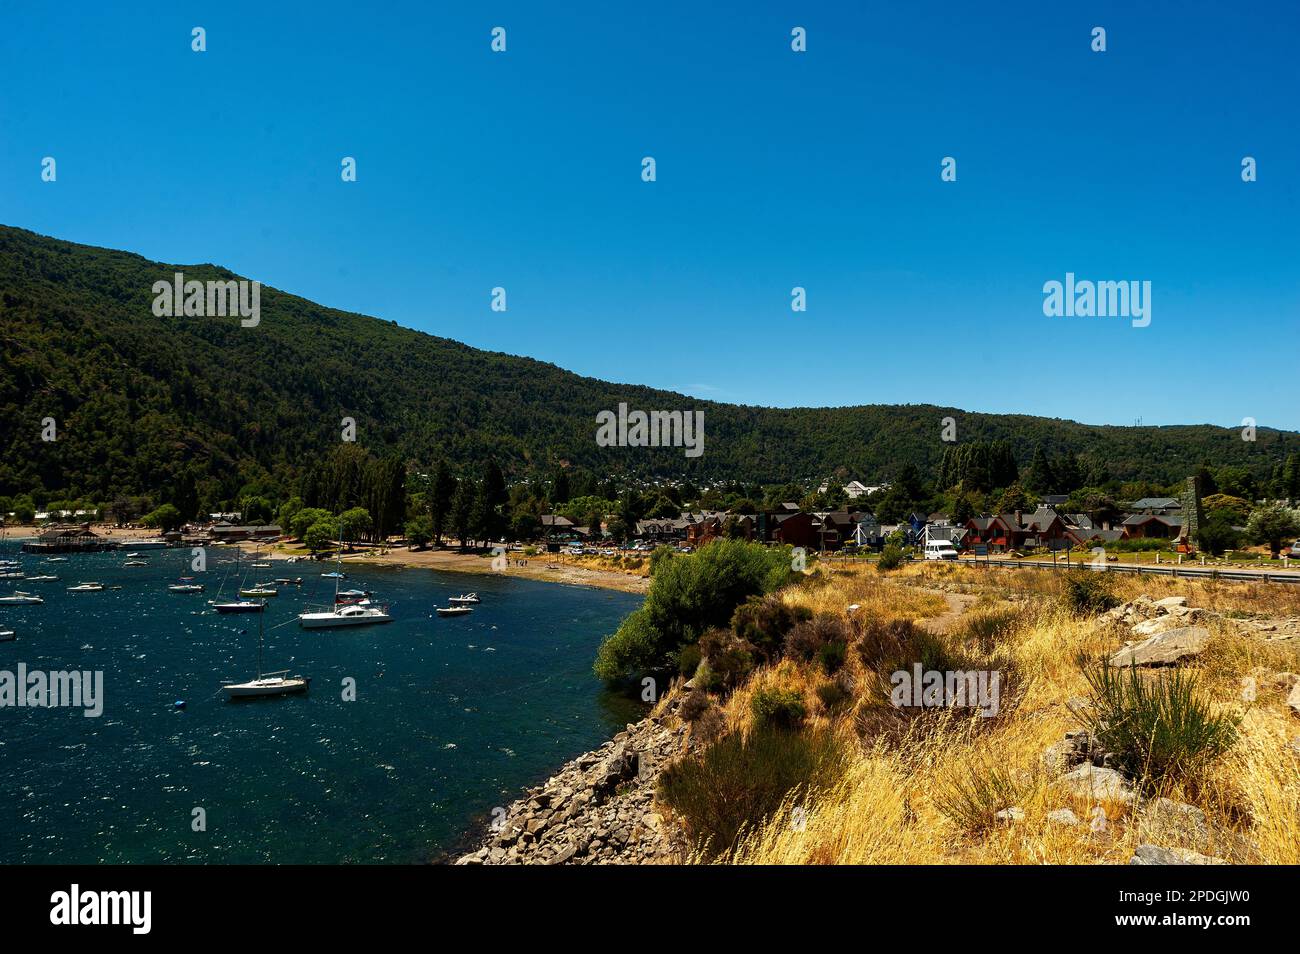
x,y
775,169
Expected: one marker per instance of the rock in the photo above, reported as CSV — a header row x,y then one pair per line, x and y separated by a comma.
x,y
1097,784
1164,649
1293,700
1063,816
1161,624
1010,816
1169,602
1155,855
1169,815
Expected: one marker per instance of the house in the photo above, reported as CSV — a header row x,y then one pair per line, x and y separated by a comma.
x,y
1019,531
1087,536
226,533
836,529
797,530
1141,526
1043,528
1156,505
867,531
67,539
701,531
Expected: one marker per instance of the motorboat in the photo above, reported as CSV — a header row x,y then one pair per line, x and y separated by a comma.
x,y
466,598
86,588
135,563
261,591
296,581
21,599
42,579
348,614
7,635
334,575
453,610
185,588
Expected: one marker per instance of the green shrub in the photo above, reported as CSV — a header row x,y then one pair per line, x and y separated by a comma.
x,y
690,594
778,708
1159,727
728,659
832,656
688,660
741,780
1088,593
891,558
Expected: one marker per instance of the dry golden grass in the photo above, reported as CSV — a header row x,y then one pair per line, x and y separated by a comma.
x,y
889,806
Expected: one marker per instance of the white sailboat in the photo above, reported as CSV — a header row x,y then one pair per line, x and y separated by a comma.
x,y
86,588
21,599
359,612
266,684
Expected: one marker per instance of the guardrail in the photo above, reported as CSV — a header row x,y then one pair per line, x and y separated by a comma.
x,y
1174,570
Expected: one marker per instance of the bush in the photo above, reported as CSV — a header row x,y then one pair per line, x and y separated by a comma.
x,y
1088,592
764,621
832,695
778,708
689,595
987,627
809,638
888,645
694,705
741,780
832,656
1159,727
891,558
727,659
688,660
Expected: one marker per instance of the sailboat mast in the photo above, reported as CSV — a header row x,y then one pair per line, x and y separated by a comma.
x,y
261,613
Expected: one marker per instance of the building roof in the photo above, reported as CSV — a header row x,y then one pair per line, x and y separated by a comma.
x,y
1156,503
1138,519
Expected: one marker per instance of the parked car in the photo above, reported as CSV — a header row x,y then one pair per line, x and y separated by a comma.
x,y
1294,552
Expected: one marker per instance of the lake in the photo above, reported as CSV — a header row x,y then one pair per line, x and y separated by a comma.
x,y
452,717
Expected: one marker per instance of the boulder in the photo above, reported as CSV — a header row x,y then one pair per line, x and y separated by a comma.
x,y
1155,855
1169,602
1293,700
1097,784
1164,649
1063,816
1177,819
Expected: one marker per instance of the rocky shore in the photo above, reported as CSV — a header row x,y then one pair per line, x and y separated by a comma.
x,y
598,809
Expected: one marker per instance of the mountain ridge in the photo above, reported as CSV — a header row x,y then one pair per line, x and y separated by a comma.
x,y
141,400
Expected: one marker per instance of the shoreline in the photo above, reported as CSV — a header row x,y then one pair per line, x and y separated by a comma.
x,y
548,568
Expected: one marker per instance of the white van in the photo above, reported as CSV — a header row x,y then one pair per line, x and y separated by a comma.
x,y
940,550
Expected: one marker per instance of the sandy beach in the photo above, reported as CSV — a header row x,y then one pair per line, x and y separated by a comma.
x,y
551,568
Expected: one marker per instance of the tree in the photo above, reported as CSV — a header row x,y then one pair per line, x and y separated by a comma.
x,y
354,524
1273,525
1237,510
419,531
440,499
487,521
321,535
305,518
462,510
962,510
1217,534
165,518
287,511
1014,498
560,488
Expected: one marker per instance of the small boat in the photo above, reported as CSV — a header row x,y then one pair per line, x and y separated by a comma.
x,y
239,606
21,599
185,588
350,614
467,598
7,635
272,684
56,559
350,596
132,554
42,579
453,610
86,588
260,591
260,566
12,575
332,575
135,563
296,581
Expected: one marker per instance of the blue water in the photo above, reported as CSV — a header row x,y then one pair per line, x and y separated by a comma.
x,y
452,716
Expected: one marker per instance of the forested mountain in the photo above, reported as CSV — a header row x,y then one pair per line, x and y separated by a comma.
x,y
163,406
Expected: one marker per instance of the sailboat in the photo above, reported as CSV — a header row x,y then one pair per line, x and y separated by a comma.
x,y
235,606
266,684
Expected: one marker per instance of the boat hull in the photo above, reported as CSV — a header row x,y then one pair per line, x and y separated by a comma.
x,y
330,621
260,689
